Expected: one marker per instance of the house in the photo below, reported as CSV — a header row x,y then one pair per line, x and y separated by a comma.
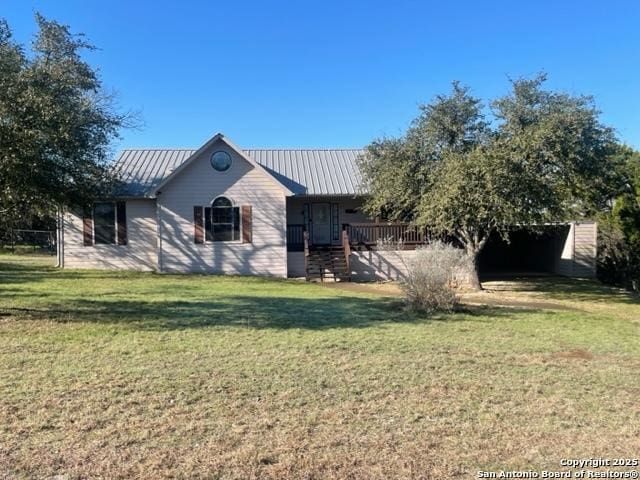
x,y
223,209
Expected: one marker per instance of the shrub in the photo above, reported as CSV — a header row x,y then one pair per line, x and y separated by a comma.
x,y
432,275
618,254
619,232
389,244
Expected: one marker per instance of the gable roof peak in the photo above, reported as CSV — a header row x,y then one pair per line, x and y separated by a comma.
x,y
219,137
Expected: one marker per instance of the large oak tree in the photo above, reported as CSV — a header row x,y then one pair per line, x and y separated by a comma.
x,y
56,124
538,156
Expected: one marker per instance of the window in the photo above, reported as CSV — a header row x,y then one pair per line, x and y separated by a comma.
x,y
335,222
104,223
225,221
221,161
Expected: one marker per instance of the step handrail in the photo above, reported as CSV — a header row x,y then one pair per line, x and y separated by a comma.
x,y
346,246
305,241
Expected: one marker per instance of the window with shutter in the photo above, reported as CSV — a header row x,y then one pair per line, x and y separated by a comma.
x,y
104,223
224,223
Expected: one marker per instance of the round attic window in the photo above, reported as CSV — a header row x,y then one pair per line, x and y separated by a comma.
x,y
221,161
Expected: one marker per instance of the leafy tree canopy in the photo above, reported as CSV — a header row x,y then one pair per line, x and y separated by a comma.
x,y
538,156
626,208
619,229
56,123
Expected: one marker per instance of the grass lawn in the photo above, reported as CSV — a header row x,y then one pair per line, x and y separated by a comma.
x,y
133,375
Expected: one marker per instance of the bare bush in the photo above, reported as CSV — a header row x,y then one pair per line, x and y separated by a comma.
x,y
389,244
433,275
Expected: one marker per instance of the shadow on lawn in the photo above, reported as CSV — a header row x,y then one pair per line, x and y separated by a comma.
x,y
16,272
252,312
157,308
562,288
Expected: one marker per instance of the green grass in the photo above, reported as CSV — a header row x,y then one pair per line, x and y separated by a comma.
x,y
134,375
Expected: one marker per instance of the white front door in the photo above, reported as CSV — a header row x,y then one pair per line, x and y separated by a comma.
x,y
321,218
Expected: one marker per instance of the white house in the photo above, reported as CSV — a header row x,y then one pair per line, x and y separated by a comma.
x,y
296,212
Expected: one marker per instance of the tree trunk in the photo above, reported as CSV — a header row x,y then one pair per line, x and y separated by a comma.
x,y
473,242
474,275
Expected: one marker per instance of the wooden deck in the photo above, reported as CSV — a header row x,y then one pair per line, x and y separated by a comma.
x,y
332,262
366,236
369,235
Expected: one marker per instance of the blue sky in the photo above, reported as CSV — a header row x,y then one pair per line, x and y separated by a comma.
x,y
339,73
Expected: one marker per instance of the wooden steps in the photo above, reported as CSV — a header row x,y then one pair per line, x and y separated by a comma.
x,y
327,264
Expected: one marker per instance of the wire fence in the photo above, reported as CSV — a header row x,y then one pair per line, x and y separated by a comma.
x,y
27,241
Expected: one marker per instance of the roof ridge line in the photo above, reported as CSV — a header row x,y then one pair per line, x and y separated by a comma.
x,y
305,149
156,148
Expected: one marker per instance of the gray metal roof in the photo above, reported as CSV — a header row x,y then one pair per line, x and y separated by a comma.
x,y
303,171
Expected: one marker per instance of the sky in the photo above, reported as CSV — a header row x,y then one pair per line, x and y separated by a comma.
x,y
338,73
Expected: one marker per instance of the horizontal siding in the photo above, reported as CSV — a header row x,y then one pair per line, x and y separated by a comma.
x,y
138,254
563,255
576,251
243,184
379,265
585,249
295,264
385,265
564,268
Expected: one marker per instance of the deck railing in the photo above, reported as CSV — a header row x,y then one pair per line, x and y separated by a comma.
x,y
369,234
295,238
364,235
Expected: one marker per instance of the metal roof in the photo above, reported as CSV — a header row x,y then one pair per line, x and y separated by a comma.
x,y
303,171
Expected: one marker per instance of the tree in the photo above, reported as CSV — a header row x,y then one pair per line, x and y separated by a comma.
x,y
56,124
619,232
539,157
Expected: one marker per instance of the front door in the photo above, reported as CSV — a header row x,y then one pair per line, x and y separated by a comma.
x,y
321,218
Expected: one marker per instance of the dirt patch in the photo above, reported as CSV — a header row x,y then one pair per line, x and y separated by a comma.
x,y
489,298
390,289
578,354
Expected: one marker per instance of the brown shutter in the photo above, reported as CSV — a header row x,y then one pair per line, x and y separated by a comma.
x,y
208,231
198,225
246,224
121,221
87,227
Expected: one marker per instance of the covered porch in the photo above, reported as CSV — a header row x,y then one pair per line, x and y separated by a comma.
x,y
327,235
326,218
331,238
